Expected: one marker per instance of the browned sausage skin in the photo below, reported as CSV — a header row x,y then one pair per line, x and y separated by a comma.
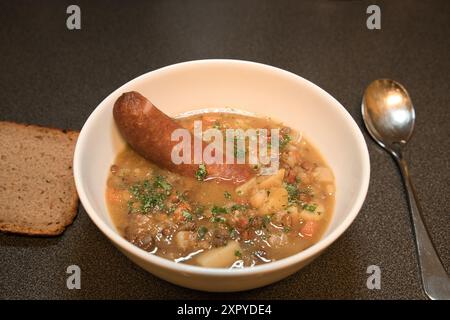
x,y
148,131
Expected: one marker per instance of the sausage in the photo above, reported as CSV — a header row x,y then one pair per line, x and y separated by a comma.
x,y
148,131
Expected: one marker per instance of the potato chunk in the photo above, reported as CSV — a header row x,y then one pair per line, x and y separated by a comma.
x,y
266,182
258,199
185,240
277,199
267,193
247,187
222,257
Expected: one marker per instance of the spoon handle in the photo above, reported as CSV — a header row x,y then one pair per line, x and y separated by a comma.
x,y
436,282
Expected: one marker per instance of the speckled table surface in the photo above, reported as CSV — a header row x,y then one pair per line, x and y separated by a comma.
x,y
52,76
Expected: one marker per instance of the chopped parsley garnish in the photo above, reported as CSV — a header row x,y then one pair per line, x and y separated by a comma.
x,y
161,182
217,125
187,215
199,210
240,207
286,229
218,219
146,196
218,210
310,207
202,232
201,172
131,207
171,209
238,254
292,191
181,196
227,195
266,220
284,140
234,233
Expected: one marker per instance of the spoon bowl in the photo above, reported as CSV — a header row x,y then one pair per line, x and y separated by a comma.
x,y
388,113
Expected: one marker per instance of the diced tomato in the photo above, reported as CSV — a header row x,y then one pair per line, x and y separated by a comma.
x,y
241,200
309,228
291,177
242,223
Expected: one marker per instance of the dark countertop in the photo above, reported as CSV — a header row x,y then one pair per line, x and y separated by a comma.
x,y
52,76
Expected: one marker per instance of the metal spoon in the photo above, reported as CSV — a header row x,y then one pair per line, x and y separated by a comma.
x,y
389,116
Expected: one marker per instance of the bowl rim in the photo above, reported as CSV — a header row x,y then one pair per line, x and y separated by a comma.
x,y
304,255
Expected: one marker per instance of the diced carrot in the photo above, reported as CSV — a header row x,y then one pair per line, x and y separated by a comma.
x,y
173,198
178,216
309,228
178,213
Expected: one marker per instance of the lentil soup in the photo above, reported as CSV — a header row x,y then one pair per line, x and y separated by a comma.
x,y
213,224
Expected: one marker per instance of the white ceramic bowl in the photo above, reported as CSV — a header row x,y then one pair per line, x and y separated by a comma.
x,y
249,86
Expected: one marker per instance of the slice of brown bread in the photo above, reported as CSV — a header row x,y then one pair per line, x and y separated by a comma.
x,y
37,188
